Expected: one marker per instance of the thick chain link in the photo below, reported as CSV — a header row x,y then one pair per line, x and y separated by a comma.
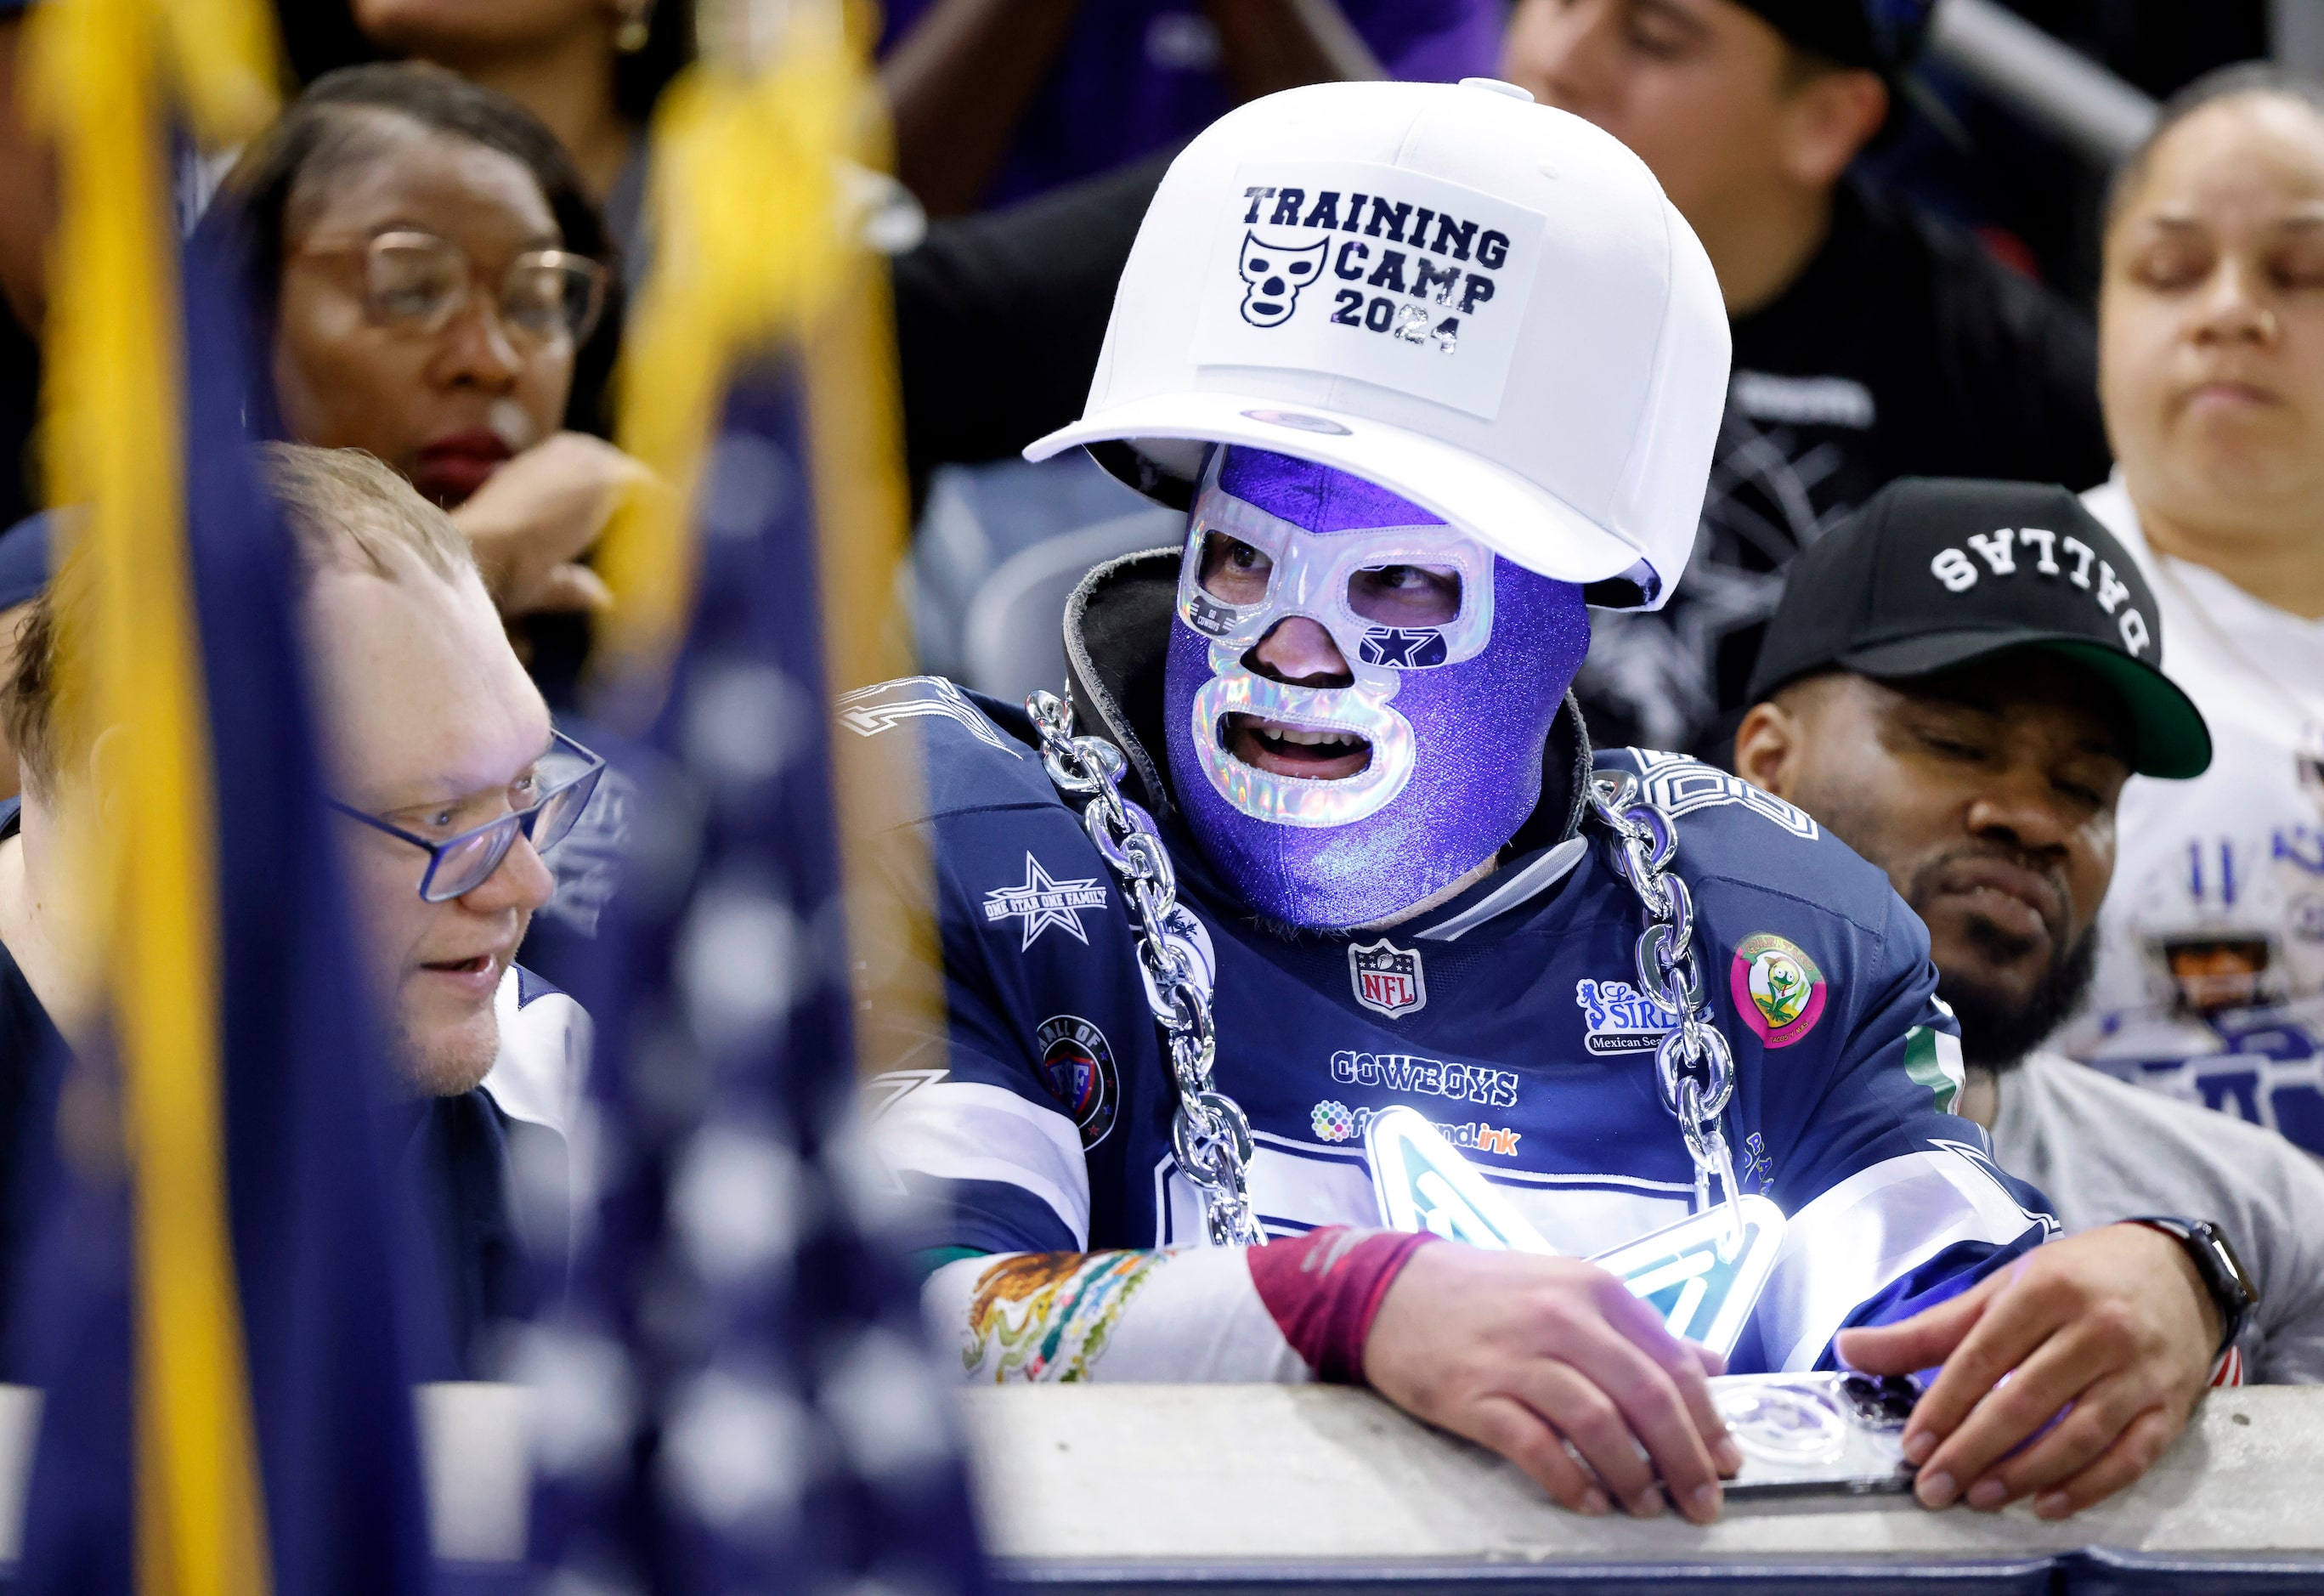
x,y
1693,1066
1210,1136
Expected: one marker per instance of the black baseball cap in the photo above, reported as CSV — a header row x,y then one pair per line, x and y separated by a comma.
x,y
1935,572
1881,36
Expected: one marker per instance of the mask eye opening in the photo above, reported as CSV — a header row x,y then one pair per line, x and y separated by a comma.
x,y
1232,572
1407,594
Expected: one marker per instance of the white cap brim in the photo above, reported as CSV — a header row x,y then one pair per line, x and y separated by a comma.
x,y
1509,515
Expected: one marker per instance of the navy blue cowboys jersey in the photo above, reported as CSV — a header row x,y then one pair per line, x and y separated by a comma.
x,y
1507,1016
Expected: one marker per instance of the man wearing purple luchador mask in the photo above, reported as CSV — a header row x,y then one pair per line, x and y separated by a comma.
x,y
1321,1006
1333,631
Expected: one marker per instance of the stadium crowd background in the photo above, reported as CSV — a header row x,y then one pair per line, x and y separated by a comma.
x,y
1913,270
1921,280
1030,137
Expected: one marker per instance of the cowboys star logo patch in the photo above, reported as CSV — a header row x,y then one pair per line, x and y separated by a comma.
x,y
1042,900
1405,650
1388,979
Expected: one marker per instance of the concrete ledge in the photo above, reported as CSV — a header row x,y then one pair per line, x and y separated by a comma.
x,y
475,1447
1251,1487
1248,1491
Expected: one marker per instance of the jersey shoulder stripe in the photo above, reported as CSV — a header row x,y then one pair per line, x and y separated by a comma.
x,y
1731,831
1878,1224
977,752
966,1131
1681,784
982,1216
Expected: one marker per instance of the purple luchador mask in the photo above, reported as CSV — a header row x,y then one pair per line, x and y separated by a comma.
x,y
1354,790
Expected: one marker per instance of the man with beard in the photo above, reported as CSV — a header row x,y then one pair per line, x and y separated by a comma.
x,y
1958,685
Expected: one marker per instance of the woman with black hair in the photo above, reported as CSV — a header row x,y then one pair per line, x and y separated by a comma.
x,y
590,70
438,290
974,386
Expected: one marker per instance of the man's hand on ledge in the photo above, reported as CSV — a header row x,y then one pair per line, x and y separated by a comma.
x,y
2114,1321
1528,1355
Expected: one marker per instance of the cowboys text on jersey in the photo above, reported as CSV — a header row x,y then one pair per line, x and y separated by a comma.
x,y
1504,1016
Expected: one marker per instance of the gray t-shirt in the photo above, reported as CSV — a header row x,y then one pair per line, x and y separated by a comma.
x,y
2104,1151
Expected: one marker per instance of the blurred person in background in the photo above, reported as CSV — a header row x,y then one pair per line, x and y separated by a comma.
x,y
1972,738
452,784
996,100
23,577
976,387
999,314
2210,973
27,210
1871,342
590,70
436,281
437,290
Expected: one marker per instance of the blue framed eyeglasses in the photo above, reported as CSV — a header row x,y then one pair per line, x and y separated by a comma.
x,y
458,866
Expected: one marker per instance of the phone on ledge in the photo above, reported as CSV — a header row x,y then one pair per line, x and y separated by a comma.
x,y
1817,1434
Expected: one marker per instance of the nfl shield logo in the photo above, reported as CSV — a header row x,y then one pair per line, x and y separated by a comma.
x,y
1387,980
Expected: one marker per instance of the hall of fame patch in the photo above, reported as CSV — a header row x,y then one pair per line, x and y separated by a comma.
x,y
1078,1068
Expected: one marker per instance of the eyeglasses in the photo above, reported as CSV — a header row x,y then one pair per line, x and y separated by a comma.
x,y
458,866
417,282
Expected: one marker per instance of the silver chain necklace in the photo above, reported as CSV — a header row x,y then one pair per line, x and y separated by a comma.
x,y
1210,1135
1693,1066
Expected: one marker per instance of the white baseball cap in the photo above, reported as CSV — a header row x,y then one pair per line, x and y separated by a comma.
x,y
1480,303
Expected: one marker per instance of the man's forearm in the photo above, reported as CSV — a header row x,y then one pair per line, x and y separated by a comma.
x,y
1295,1310
956,85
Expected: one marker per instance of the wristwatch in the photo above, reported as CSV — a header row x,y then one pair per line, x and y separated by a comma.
x,y
2223,1273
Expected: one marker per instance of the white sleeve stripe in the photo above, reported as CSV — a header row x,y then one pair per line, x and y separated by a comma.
x,y
962,1130
1877,1224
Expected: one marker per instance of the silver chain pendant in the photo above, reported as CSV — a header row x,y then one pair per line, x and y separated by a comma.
x,y
1210,1136
1693,1066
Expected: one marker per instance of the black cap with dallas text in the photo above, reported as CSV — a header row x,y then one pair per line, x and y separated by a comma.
x,y
1934,573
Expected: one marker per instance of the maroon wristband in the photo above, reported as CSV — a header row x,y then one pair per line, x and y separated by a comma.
x,y
1325,1290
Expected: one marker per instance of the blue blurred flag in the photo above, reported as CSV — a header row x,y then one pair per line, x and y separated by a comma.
x,y
741,1399
324,1397
739,1396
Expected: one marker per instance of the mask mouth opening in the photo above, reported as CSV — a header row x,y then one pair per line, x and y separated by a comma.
x,y
1304,752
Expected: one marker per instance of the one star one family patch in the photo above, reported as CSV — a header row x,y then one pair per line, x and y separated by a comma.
x,y
1778,989
1042,900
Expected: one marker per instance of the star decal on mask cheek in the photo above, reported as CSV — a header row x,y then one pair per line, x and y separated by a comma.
x,y
1407,650
1042,900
